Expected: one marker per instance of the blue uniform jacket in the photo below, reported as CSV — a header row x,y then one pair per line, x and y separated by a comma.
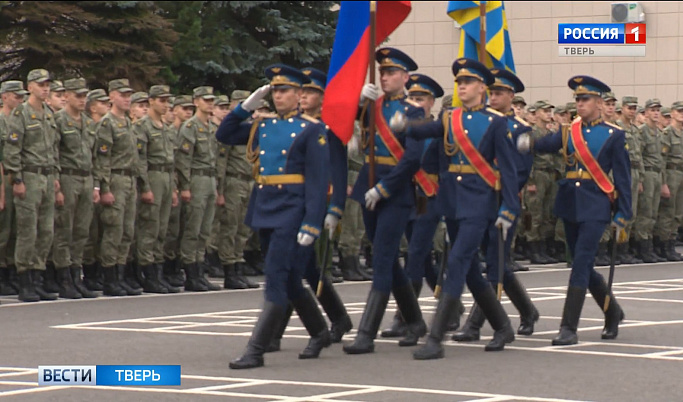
x,y
393,182
467,195
581,200
338,174
523,161
291,144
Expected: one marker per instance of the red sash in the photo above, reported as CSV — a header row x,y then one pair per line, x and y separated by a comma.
x,y
428,185
586,158
483,168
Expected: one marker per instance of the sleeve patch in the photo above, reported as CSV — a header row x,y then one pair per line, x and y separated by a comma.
x,y
322,140
187,145
103,149
140,145
221,151
13,138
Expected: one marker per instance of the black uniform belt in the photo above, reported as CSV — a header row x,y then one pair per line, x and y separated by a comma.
x,y
547,170
635,165
203,172
37,169
160,168
75,172
652,169
671,166
123,172
240,176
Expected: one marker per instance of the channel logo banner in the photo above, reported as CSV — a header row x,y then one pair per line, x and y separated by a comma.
x,y
109,375
601,34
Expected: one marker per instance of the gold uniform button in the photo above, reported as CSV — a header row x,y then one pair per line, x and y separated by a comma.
x,y
290,120
588,130
279,186
459,178
280,169
467,131
284,152
303,124
262,169
514,126
260,186
274,121
293,135
263,124
263,152
578,184
490,118
264,136
469,117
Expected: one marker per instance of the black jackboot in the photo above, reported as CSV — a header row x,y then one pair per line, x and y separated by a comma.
x,y
274,345
37,285
268,320
625,256
49,283
91,278
159,270
670,251
215,270
432,348
202,278
125,281
173,274
241,276
131,275
78,283
614,314
111,282
656,251
309,314
27,292
336,312
349,268
406,300
6,288
369,323
470,331
495,314
528,314
192,282
602,259
535,255
644,252
544,247
571,313
231,281
13,278
66,284
454,320
151,283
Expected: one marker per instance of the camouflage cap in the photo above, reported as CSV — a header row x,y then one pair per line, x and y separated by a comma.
x,y
171,99
139,97
97,95
561,109
183,100
678,105
239,95
571,107
57,86
629,101
39,75
606,96
13,86
666,111
204,92
222,100
518,100
543,104
160,91
264,104
531,109
641,109
447,101
76,85
653,103
618,109
120,85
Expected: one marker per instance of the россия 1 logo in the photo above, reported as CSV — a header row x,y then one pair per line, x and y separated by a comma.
x,y
610,40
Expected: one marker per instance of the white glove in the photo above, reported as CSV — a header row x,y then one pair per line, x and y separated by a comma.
x,y
331,222
304,239
372,197
505,225
398,122
353,146
524,143
254,100
370,91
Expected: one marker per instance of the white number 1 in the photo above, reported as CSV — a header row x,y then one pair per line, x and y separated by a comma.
x,y
635,31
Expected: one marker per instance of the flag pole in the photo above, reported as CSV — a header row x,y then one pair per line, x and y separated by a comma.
x,y
482,32
371,104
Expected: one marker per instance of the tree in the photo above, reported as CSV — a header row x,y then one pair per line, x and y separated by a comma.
x,y
228,44
98,40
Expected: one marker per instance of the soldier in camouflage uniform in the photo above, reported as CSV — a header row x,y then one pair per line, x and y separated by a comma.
x,y
671,208
155,142
76,134
31,158
12,95
632,135
139,106
653,161
539,190
196,167
665,120
57,98
115,176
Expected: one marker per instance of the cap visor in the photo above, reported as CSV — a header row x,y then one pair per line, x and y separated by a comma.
x,y
81,91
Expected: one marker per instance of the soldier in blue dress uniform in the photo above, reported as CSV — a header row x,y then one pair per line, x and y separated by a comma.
x,y
586,199
290,153
387,204
470,138
502,92
311,102
422,226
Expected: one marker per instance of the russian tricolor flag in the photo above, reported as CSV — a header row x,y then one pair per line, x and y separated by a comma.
x,y
350,58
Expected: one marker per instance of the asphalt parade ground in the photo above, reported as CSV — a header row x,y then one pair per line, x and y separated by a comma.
x,y
203,332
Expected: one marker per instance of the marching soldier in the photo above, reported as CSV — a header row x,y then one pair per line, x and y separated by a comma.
x,y
31,157
671,207
388,203
539,191
632,136
196,167
158,193
592,149
12,94
502,91
115,174
288,206
469,139
183,109
648,203
76,134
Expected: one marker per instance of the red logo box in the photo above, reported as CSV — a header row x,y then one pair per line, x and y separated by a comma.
x,y
635,34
